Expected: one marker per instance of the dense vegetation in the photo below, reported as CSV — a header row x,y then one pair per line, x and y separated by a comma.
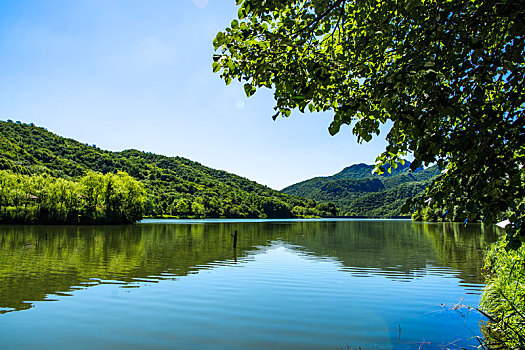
x,y
504,298
175,186
357,191
446,76
93,198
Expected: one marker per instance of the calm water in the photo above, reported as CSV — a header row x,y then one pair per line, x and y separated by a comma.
x,y
287,285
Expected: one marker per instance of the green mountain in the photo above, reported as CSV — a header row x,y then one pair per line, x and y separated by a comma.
x,y
174,185
357,191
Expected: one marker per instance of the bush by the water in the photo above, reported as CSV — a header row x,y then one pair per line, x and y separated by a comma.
x,y
503,299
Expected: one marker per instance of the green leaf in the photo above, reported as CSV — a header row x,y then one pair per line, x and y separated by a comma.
x,y
311,107
241,14
249,89
385,102
334,128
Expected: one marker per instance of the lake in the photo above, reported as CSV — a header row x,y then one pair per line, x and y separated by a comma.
x,y
289,284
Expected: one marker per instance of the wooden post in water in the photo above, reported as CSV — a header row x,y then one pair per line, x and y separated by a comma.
x,y
235,239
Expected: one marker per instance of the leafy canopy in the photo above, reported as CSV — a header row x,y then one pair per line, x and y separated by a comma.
x,y
448,75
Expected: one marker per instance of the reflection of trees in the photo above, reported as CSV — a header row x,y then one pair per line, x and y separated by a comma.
x,y
385,245
39,260
461,247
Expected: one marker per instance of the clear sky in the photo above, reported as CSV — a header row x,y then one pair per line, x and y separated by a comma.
x,y
137,74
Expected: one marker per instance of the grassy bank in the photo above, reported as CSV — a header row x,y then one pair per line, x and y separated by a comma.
x,y
503,299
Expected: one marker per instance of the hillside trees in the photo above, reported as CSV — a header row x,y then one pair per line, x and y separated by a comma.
x,y
168,181
357,191
95,198
447,75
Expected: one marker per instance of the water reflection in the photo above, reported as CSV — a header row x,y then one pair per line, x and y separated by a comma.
x,y
37,261
461,247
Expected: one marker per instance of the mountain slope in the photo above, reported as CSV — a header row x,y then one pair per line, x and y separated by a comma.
x,y
357,191
353,172
175,185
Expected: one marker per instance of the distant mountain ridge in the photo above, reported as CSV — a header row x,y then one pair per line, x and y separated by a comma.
x,y
175,186
356,190
352,172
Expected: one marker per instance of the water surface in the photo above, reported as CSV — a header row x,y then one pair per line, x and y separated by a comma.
x,y
312,284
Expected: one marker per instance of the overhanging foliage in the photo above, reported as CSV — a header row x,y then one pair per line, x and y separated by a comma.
x,y
448,75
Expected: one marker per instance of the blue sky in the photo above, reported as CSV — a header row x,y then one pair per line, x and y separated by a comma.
x,y
136,74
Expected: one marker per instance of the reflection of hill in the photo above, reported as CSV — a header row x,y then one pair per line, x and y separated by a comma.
x,y
367,244
401,247
36,261
460,247
40,260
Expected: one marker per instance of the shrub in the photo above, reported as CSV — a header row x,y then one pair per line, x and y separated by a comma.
x,y
503,300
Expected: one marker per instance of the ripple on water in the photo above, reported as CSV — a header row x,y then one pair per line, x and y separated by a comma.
x,y
276,294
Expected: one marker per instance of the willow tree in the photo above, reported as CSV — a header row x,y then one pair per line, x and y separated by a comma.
x,y
447,75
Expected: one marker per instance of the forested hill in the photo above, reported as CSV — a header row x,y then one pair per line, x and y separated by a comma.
x,y
174,185
357,191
